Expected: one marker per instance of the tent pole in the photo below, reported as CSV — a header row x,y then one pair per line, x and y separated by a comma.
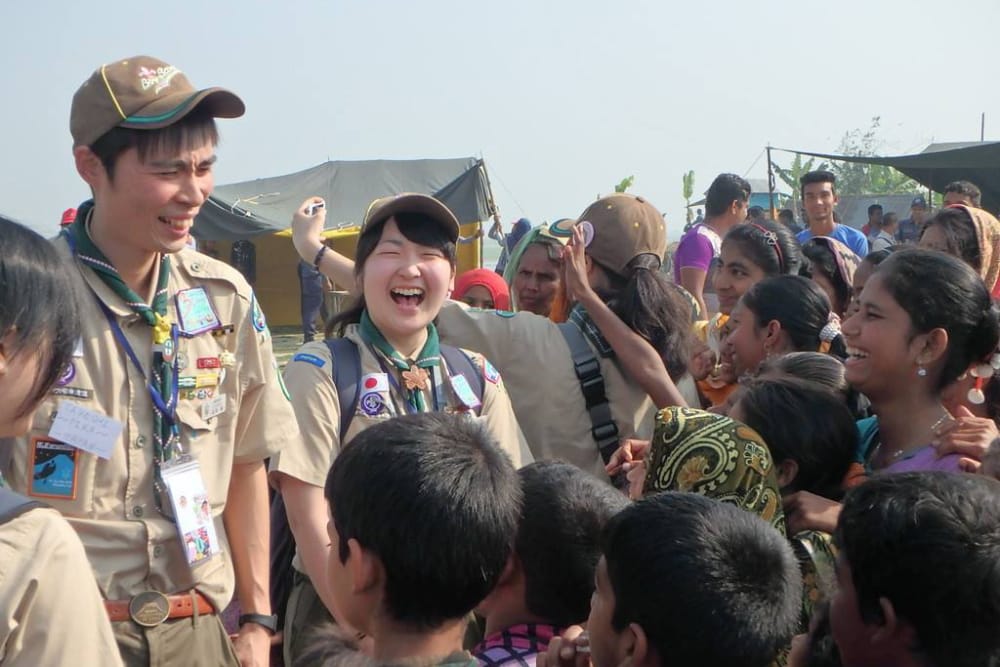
x,y
496,230
982,127
770,184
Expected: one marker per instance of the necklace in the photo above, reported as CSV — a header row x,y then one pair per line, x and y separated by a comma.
x,y
946,417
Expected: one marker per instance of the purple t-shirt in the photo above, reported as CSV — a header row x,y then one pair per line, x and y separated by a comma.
x,y
696,250
924,459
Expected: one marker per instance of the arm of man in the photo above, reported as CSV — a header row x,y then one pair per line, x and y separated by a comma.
x,y
246,520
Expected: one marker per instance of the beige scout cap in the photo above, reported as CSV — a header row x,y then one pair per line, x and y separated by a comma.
x,y
620,227
141,93
411,202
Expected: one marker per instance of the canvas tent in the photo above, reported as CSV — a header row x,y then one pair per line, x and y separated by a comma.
x,y
254,216
940,164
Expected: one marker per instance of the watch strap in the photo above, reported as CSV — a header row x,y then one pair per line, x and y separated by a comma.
x,y
268,622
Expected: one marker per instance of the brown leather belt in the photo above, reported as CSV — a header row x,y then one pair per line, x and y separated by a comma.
x,y
150,608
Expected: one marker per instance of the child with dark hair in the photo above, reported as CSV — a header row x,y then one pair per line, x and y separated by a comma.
x,y
779,315
424,511
917,572
687,580
831,265
547,583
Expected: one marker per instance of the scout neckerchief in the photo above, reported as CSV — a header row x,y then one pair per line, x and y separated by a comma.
x,y
580,318
162,385
414,375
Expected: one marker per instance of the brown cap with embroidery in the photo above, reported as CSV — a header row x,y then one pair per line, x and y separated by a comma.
x,y
620,227
141,93
411,202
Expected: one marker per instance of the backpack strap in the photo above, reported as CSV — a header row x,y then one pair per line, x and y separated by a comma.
x,y
346,376
588,371
461,364
13,505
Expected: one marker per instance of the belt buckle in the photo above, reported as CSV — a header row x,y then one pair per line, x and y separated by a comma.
x,y
149,608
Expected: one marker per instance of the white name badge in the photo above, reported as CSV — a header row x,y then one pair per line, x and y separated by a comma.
x,y
213,407
85,429
192,509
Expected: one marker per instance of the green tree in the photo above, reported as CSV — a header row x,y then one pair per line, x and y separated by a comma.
x,y
625,184
688,192
794,172
855,178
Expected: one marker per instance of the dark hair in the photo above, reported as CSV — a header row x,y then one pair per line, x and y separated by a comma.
x,y
416,228
959,233
934,556
558,538
801,308
816,368
722,587
786,213
973,193
195,129
756,212
817,177
874,207
724,190
889,219
807,424
38,305
652,307
437,501
939,291
769,245
821,258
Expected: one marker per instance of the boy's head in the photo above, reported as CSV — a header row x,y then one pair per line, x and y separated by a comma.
x,y
728,195
686,580
819,195
919,571
551,577
423,510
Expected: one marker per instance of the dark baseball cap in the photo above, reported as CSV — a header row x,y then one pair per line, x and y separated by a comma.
x,y
918,202
384,208
141,93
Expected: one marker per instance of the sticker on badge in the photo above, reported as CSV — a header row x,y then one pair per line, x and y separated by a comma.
x,y
54,467
372,403
85,429
464,392
192,509
257,315
214,407
490,373
309,359
195,313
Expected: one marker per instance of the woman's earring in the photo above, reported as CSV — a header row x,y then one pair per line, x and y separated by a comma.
x,y
921,371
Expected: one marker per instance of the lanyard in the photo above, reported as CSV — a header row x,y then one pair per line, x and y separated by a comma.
x,y
167,407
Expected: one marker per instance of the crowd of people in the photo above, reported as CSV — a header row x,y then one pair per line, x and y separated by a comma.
x,y
784,451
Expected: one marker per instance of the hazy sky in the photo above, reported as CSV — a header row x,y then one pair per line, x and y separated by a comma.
x,y
563,98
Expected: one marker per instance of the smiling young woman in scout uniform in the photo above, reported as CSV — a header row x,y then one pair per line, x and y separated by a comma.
x,y
405,269
45,579
172,390
573,401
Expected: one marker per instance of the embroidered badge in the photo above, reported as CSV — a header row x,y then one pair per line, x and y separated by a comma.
x,y
372,403
257,315
67,375
415,378
309,359
54,467
378,382
208,362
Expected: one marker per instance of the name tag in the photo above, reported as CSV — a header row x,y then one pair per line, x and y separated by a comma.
x,y
213,407
85,429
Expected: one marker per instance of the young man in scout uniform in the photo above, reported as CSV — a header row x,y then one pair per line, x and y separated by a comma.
x,y
172,400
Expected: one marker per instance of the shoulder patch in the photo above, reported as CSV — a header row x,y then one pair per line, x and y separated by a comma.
x,y
257,315
489,372
309,359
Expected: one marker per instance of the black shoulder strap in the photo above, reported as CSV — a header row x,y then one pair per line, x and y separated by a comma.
x,y
13,505
346,376
459,362
588,372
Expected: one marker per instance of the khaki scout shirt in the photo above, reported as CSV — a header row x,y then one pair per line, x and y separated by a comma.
x,y
317,407
131,546
537,368
51,612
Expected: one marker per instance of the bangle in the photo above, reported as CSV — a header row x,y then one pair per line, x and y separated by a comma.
x,y
319,256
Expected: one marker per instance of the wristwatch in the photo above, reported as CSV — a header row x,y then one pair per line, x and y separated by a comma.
x,y
268,622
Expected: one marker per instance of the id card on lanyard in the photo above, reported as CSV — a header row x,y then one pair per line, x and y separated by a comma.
x,y
192,509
